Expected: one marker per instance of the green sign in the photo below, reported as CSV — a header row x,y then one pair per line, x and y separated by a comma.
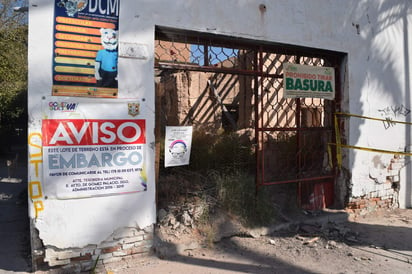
x,y
300,81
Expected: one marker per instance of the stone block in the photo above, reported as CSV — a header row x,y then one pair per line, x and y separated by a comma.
x,y
140,232
67,255
124,232
85,257
102,256
107,244
61,255
120,253
111,249
55,262
112,260
136,250
133,239
127,246
51,253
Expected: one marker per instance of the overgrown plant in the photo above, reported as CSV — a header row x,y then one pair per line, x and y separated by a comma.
x,y
220,151
221,165
236,193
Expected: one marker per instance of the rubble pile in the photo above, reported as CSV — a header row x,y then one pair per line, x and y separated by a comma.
x,y
179,220
329,231
329,235
181,217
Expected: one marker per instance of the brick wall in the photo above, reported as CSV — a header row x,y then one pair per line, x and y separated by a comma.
x,y
386,190
364,205
124,243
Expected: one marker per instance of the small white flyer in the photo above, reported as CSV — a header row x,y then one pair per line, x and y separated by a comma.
x,y
178,143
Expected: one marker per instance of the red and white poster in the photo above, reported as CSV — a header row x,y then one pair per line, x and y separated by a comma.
x,y
93,147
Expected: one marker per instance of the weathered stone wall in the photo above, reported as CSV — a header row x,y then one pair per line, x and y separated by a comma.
x,y
187,98
385,193
127,241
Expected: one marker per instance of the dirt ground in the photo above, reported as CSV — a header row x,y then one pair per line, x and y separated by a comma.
x,y
327,242
331,242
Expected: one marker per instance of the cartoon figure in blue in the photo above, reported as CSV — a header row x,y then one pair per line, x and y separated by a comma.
x,y
178,149
106,60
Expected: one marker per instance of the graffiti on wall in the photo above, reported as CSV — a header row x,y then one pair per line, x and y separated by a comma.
x,y
35,164
390,113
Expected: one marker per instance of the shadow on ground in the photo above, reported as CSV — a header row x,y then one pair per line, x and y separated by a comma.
x,y
14,220
327,243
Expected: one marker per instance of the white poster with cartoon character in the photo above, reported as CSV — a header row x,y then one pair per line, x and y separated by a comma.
x,y
178,143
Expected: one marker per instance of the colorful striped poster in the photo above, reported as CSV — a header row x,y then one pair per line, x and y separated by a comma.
x,y
85,48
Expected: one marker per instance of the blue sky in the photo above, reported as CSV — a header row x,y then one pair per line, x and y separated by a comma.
x,y
216,54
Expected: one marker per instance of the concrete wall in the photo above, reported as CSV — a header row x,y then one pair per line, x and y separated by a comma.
x,y
375,34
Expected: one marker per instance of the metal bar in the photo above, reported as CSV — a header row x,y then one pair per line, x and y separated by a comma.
x,y
194,37
299,180
259,67
206,55
258,177
336,106
296,129
181,66
220,101
298,150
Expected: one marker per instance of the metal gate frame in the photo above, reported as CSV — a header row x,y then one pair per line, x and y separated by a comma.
x,y
301,180
334,59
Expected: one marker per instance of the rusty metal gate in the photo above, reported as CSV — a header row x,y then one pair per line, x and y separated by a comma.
x,y
291,136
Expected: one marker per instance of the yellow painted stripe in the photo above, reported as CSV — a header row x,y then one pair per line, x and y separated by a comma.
x,y
79,53
74,61
74,70
74,45
74,88
372,118
38,206
338,147
86,23
330,156
75,78
61,90
75,29
78,38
